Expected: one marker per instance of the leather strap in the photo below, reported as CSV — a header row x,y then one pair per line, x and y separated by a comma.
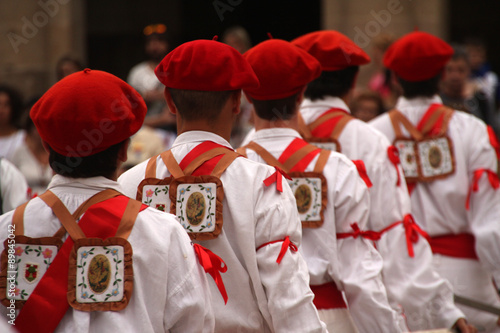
x,y
151,167
266,156
303,128
18,218
202,158
224,163
171,164
298,156
128,219
325,117
322,159
397,119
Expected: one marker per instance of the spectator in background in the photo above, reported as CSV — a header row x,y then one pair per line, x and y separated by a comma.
x,y
367,105
67,65
237,37
11,109
143,79
13,187
32,159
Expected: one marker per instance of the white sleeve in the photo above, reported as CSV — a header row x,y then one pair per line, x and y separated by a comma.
x,y
484,213
13,186
188,306
286,284
360,263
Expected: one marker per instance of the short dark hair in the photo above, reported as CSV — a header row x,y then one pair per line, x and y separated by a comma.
x,y
103,163
426,88
16,105
332,83
195,104
282,109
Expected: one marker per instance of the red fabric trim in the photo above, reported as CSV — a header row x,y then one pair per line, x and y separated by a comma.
x,y
295,145
284,247
276,178
328,296
411,187
207,167
360,165
492,177
393,154
213,265
412,232
457,246
325,129
494,141
425,118
48,303
198,150
368,234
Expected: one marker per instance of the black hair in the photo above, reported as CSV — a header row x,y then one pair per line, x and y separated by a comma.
x,y
332,83
16,105
104,163
282,109
426,88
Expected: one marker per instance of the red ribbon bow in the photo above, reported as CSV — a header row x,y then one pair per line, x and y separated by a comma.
x,y
367,234
213,265
412,231
284,247
393,154
276,178
492,177
360,165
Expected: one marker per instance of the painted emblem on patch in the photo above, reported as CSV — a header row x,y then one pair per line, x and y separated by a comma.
x,y
99,273
160,207
303,197
406,149
308,195
195,208
436,158
30,272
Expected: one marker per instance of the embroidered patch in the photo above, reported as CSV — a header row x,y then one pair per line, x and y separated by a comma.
x,y
436,158
24,263
197,203
309,189
155,196
100,274
408,159
327,145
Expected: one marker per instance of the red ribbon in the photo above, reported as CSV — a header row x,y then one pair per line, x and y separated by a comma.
x,y
284,247
368,234
393,154
276,178
213,265
492,177
360,165
494,141
412,231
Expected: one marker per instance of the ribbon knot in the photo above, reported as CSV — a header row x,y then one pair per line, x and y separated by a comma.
x,y
284,247
492,178
276,178
213,265
393,154
412,232
367,234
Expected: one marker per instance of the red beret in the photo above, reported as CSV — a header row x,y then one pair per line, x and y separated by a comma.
x,y
418,56
333,50
206,65
282,68
87,112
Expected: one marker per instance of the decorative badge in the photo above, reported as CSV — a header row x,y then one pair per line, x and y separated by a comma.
x,y
197,203
24,262
154,193
436,158
309,189
100,274
408,158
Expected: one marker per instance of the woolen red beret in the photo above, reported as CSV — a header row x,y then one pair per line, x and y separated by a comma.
x,y
417,56
333,50
206,65
87,112
282,68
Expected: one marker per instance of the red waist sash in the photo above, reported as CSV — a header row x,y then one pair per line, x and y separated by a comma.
x,y
457,246
328,296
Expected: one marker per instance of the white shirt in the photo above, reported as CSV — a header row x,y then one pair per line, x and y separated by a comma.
x,y
439,206
170,292
353,264
37,175
142,77
263,296
9,144
411,282
13,186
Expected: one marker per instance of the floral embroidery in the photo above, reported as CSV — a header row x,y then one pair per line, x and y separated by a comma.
x,y
47,253
183,190
149,193
17,291
85,295
85,254
18,251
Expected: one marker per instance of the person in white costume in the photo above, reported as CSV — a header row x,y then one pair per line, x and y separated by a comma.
x,y
350,265
266,285
170,291
13,187
410,280
453,180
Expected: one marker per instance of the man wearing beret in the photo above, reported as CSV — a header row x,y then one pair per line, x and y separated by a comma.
x,y
408,275
265,280
450,166
348,264
85,121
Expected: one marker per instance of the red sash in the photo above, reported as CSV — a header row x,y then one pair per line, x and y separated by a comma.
x,y
292,148
328,125
457,246
207,167
48,303
328,296
412,232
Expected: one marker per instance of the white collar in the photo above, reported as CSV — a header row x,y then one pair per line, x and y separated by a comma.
x,y
93,184
274,133
199,137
